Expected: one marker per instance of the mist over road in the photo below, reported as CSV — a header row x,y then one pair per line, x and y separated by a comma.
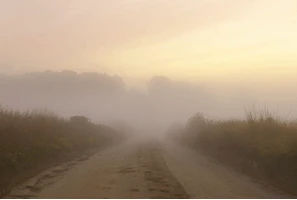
x,y
143,168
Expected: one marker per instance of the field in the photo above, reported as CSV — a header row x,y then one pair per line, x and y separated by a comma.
x,y
33,141
262,146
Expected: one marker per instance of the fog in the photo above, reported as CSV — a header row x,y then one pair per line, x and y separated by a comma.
x,y
108,99
148,63
148,98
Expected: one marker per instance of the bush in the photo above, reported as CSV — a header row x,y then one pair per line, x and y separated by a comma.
x,y
80,119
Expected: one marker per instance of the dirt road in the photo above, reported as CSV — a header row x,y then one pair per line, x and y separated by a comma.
x,y
143,169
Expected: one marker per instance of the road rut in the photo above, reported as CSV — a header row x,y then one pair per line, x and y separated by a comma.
x,y
143,169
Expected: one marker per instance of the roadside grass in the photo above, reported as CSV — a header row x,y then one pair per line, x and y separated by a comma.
x,y
263,145
33,141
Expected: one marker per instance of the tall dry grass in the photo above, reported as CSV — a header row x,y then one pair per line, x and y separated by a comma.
x,y
33,141
263,145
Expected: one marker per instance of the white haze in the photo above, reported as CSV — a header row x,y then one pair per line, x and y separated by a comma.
x,y
107,99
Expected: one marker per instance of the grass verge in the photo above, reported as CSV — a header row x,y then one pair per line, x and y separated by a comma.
x,y
262,146
33,141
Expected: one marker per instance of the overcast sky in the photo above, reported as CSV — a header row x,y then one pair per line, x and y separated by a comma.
x,y
205,40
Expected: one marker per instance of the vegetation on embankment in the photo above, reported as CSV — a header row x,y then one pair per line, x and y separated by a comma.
x,y
33,141
262,146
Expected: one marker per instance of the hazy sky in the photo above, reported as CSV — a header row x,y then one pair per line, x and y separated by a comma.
x,y
208,40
